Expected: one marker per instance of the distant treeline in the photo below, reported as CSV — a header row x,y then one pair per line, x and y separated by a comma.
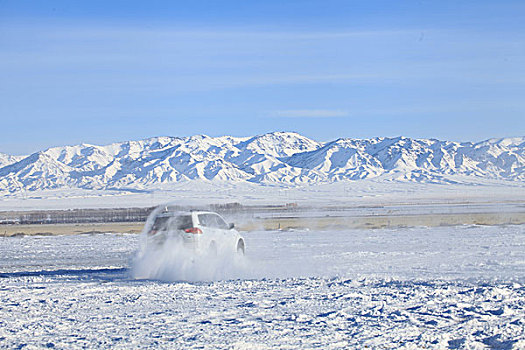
x,y
74,216
80,216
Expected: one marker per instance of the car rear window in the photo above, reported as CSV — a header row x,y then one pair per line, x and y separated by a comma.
x,y
181,222
173,223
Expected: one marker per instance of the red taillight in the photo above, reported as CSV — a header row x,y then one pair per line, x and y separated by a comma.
x,y
152,232
193,230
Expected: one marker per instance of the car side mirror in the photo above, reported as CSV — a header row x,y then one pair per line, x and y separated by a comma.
x,y
231,226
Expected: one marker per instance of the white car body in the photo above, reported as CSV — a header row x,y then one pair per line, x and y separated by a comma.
x,y
202,231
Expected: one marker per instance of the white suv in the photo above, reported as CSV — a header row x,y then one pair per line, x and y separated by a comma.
x,y
202,231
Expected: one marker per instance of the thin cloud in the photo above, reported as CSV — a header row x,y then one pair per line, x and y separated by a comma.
x,y
311,113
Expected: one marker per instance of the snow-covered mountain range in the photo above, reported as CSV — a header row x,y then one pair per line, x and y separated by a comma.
x,y
280,158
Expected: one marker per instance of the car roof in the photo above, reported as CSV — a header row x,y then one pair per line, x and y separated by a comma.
x,y
168,212
203,212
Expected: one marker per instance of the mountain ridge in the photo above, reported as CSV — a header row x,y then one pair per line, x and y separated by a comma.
x,y
278,158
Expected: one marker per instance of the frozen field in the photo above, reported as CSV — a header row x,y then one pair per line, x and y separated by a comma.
x,y
444,287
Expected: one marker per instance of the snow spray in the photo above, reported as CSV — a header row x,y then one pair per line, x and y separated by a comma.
x,y
172,261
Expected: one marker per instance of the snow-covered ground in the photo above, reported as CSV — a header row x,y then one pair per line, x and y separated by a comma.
x,y
366,192
442,287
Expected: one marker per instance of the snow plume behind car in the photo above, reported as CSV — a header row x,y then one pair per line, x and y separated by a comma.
x,y
167,257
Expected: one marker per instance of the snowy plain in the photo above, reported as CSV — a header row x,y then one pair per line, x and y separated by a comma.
x,y
441,287
366,192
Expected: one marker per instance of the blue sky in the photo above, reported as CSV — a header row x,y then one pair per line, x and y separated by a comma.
x,y
106,71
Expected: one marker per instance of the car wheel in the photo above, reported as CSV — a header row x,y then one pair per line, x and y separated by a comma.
x,y
240,247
